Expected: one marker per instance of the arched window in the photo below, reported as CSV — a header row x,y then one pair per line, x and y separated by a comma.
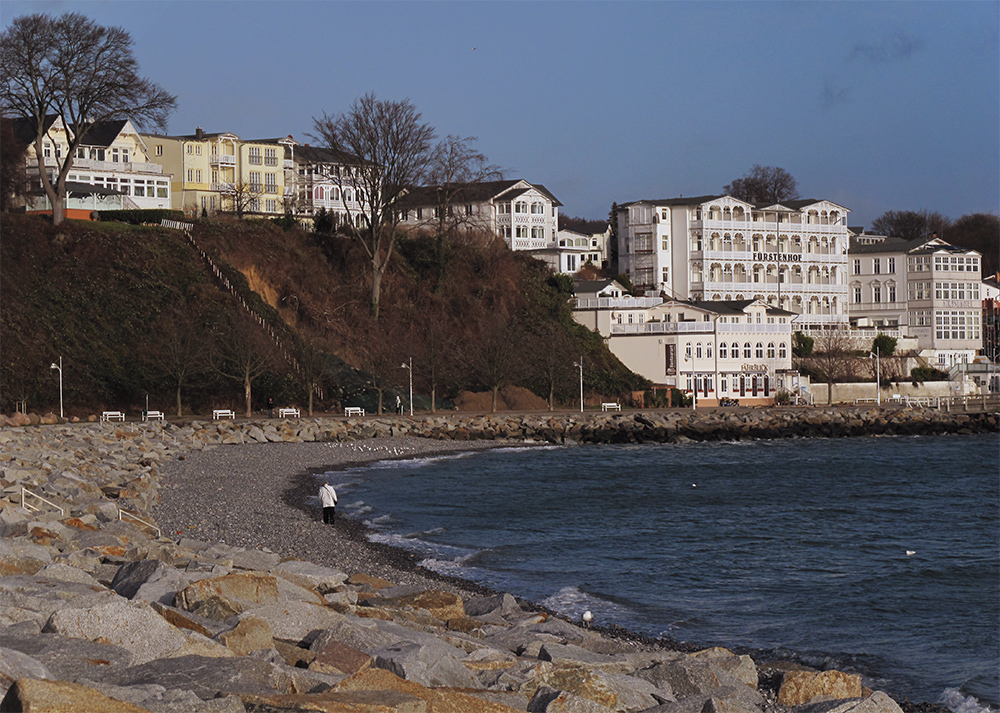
x,y
698,350
760,350
782,352
723,351
335,194
708,350
770,350
747,351
687,350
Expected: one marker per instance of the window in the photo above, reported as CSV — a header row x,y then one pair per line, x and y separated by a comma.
x,y
270,183
892,293
468,209
857,295
876,293
190,175
876,266
747,351
521,207
782,350
892,265
420,214
723,351
271,205
770,350
270,158
760,351
255,181
504,208
537,209
253,156
698,350
666,274
708,350
159,149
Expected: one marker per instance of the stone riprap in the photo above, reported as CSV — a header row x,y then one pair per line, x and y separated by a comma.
x,y
99,612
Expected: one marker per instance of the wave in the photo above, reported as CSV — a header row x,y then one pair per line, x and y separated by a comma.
x,y
954,700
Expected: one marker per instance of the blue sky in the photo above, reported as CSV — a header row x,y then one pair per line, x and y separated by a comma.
x,y
874,105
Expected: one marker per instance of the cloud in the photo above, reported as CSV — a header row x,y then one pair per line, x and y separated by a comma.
x,y
890,49
833,95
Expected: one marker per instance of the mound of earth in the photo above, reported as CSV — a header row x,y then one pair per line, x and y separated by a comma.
x,y
510,398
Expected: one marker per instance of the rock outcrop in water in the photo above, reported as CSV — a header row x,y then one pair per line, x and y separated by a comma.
x,y
101,612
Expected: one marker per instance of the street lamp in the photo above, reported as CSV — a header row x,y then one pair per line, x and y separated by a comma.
x,y
878,377
410,368
580,364
59,367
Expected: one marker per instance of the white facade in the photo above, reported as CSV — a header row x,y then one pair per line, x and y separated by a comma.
x,y
525,215
113,158
791,255
927,288
321,181
727,349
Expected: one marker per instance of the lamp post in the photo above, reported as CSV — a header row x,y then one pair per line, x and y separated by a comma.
x,y
409,367
580,364
59,367
878,377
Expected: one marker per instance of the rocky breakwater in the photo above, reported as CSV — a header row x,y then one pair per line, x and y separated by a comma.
x,y
99,613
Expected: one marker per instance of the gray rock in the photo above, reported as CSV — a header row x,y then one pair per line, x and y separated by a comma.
x,y
131,624
307,574
570,653
724,699
427,664
133,575
206,677
15,664
295,621
877,702
550,700
69,659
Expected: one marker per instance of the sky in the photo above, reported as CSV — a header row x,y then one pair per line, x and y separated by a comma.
x,y
875,106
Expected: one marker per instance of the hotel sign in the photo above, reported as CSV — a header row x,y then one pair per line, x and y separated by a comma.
x,y
778,257
755,368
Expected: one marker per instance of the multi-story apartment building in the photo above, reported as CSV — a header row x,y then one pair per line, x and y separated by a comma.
x,y
113,159
221,172
322,180
526,215
791,255
927,288
738,349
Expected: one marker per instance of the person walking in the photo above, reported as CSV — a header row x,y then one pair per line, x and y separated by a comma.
x,y
328,497
399,405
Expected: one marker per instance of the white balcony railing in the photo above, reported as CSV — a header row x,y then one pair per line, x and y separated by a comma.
x,y
618,302
664,328
222,160
113,166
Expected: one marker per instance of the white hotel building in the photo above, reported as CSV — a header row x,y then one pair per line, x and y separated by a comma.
x,y
790,255
736,349
926,288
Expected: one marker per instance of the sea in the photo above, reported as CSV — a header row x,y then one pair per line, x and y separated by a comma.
x,y
878,556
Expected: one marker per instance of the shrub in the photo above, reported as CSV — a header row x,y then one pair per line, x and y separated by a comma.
x,y
141,216
927,373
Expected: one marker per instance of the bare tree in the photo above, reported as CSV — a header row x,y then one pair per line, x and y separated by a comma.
x,y
81,72
496,354
13,177
763,184
389,148
551,358
831,360
910,224
244,354
182,353
455,171
242,197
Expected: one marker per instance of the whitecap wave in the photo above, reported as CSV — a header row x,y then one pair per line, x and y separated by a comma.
x,y
958,702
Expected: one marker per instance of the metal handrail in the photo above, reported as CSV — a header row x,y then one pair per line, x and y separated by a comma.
x,y
133,516
26,506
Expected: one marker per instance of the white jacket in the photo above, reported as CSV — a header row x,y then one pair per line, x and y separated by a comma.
x,y
328,496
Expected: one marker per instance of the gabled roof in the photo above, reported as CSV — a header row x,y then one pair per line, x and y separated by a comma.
x,y
666,202
321,154
592,287
920,246
475,192
103,133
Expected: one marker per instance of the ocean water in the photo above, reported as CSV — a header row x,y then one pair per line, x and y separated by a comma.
x,y
879,556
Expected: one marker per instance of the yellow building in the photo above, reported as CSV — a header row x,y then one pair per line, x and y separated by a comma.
x,y
222,173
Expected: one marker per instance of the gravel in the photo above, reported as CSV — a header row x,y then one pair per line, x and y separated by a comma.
x,y
263,496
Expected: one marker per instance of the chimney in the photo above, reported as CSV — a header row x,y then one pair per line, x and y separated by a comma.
x,y
199,133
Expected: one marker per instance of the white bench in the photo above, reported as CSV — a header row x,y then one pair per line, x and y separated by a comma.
x,y
354,411
223,413
288,412
154,415
112,416
611,407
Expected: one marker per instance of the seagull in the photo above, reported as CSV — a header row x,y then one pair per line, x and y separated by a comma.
x,y
694,485
587,617
910,552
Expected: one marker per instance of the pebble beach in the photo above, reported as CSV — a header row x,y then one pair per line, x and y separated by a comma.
x,y
264,497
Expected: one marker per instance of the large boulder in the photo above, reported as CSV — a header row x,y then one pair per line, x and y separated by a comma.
x,y
429,663
132,625
222,597
44,696
801,687
207,678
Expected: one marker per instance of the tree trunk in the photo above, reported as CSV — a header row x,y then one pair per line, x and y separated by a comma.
x,y
379,402
376,286
179,414
246,391
433,399
311,391
493,408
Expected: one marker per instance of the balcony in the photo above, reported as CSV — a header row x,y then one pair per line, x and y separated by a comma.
x,y
529,244
664,328
222,160
289,164
224,187
618,303
113,166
